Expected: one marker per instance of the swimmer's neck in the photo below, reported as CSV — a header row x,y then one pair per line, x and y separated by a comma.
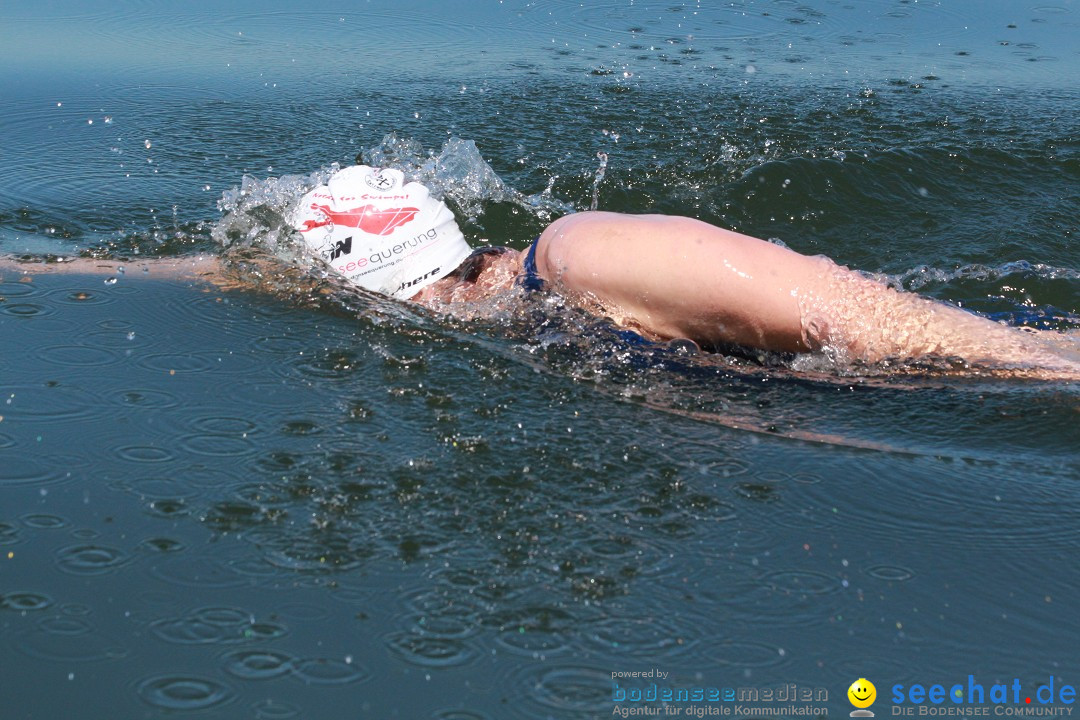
x,y
498,272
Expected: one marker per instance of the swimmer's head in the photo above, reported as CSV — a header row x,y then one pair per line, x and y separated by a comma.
x,y
380,232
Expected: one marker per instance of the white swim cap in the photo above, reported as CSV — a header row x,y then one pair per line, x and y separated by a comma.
x,y
379,232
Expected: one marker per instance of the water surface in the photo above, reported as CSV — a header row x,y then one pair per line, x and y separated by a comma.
x,y
233,504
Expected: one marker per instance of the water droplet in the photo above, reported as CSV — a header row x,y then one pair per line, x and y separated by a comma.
x,y
147,144
110,281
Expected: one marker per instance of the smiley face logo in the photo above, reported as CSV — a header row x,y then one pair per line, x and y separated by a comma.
x,y
862,693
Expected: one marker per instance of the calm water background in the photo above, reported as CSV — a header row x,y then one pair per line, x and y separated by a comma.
x,y
231,505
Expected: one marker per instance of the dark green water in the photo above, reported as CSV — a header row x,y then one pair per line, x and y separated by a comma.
x,y
232,505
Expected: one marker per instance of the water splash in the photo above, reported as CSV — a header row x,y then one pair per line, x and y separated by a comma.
x,y
255,214
600,171
922,275
459,172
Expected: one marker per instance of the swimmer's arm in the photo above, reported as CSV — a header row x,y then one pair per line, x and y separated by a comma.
x,y
679,277
198,268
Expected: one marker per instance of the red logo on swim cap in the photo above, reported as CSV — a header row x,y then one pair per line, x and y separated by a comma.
x,y
368,218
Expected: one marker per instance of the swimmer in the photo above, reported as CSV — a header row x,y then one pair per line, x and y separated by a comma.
x,y
664,277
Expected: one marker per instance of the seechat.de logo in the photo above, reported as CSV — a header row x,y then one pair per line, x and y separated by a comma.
x,y
862,695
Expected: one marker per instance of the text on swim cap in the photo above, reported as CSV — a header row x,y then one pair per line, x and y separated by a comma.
x,y
418,280
380,256
365,196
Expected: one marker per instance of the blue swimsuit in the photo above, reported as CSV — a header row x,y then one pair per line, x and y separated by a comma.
x,y
469,270
531,280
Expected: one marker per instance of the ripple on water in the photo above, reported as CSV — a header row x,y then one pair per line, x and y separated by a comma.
x,y
24,471
458,714
233,363
447,602
76,609
9,533
534,631
224,616
18,289
162,545
802,582
284,345
197,572
217,626
18,601
26,310
729,467
156,488
214,476
224,425
80,355
215,445
65,625
257,664
424,650
1002,510
780,599
746,654
254,567
303,611
117,338
327,671
66,296
188,631
47,403
303,553
142,453
42,521
167,508
144,398
274,394
658,636
890,573
91,559
184,693
566,688
635,556
174,363
49,641
328,365
274,710
443,626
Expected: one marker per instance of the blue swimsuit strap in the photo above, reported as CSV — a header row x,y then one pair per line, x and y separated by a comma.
x,y
531,280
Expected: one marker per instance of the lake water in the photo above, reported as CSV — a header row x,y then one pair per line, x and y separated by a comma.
x,y
241,505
